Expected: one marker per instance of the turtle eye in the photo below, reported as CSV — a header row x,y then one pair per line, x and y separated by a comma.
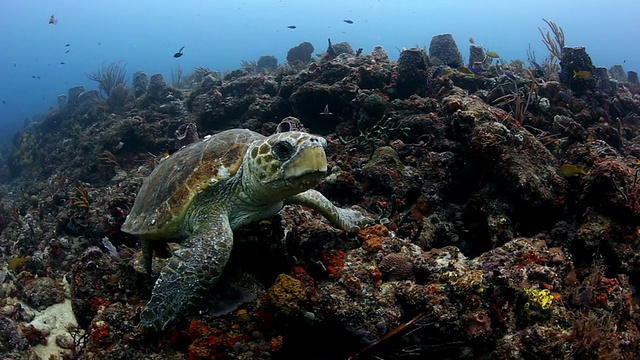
x,y
283,150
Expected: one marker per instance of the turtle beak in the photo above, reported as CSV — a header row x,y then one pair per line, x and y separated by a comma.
x,y
309,160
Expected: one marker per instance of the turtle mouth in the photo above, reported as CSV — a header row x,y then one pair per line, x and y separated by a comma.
x,y
306,180
309,161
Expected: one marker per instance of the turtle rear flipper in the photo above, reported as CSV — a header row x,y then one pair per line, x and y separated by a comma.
x,y
191,272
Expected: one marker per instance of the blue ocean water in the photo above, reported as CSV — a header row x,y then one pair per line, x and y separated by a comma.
x,y
36,65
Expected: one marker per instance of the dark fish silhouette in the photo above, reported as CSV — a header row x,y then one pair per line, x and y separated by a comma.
x,y
53,20
179,53
68,45
330,52
66,52
4,102
291,26
35,77
348,21
326,112
61,62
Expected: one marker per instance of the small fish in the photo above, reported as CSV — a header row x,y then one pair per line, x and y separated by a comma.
x,y
348,21
67,45
439,71
492,54
472,40
16,262
563,75
477,70
326,112
53,20
570,170
291,26
510,75
4,102
62,62
179,53
466,70
66,52
99,43
582,74
537,66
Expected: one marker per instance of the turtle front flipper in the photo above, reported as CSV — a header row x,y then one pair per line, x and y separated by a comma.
x,y
191,272
346,219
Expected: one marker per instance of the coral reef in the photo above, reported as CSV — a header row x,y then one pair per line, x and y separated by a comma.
x,y
506,205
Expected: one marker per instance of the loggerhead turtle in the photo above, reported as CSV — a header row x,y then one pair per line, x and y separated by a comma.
x,y
198,195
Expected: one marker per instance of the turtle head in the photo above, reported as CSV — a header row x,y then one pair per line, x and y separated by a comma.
x,y
285,164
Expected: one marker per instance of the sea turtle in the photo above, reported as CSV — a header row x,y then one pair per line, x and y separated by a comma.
x,y
199,194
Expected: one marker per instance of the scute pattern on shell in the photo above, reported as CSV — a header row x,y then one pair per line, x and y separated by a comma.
x,y
169,189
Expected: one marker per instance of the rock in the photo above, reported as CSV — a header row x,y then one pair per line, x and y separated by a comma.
x,y
632,76
617,72
74,92
300,54
343,48
209,82
140,83
444,51
412,72
576,59
88,100
476,55
10,337
375,106
601,75
290,123
157,88
118,98
267,62
99,280
62,102
386,175
186,134
41,292
379,53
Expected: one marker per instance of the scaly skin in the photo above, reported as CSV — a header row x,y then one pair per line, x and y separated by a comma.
x,y
346,219
192,271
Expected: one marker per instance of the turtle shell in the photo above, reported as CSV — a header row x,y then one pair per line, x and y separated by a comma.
x,y
167,193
